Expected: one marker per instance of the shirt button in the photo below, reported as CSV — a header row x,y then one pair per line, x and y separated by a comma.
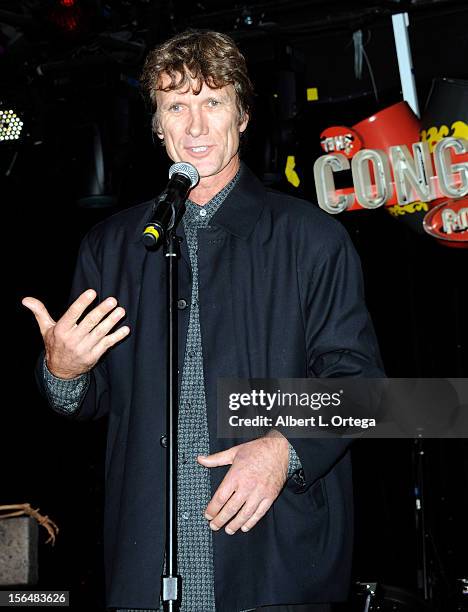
x,y
181,304
185,516
203,213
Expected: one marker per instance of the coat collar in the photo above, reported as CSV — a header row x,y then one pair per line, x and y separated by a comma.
x,y
239,212
242,207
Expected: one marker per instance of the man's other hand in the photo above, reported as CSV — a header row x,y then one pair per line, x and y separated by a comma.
x,y
257,474
71,349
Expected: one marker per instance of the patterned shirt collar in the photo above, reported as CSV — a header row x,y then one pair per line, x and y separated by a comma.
x,y
197,215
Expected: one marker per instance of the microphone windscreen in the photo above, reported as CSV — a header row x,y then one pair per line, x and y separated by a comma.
x,y
187,170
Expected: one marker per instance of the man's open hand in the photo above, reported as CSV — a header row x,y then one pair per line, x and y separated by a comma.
x,y
257,474
72,349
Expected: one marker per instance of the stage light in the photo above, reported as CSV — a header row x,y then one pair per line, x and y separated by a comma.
x,y
10,125
67,15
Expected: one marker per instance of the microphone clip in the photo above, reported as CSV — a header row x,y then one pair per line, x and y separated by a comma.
x,y
169,207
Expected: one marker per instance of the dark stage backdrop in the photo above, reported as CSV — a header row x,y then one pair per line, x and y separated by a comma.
x,y
414,288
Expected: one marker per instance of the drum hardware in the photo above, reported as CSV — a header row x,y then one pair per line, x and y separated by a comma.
x,y
386,598
369,589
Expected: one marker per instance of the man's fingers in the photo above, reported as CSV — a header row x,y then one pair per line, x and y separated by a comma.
x,y
260,512
93,318
43,318
76,309
93,336
109,340
222,495
228,511
245,513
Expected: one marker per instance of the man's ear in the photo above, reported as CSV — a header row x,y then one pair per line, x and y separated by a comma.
x,y
158,130
243,122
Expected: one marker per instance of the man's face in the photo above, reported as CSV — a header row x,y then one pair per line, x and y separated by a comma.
x,y
201,129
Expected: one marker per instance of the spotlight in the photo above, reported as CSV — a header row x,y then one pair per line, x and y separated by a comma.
x,y
10,125
68,16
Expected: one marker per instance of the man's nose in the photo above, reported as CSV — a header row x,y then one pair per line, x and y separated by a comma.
x,y
197,124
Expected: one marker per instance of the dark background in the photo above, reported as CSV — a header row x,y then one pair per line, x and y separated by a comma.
x,y
71,72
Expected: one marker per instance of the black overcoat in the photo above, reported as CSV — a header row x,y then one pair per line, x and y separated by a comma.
x,y
281,295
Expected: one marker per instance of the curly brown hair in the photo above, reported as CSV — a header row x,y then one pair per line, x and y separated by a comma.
x,y
204,56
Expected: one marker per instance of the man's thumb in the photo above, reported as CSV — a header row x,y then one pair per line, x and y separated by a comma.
x,y
225,457
43,318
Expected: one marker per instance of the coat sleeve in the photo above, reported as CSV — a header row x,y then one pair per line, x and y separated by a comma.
x,y
340,338
95,403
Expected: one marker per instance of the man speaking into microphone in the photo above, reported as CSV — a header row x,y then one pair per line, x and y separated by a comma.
x,y
269,287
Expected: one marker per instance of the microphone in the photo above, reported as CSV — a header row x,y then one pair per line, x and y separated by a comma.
x,y
170,206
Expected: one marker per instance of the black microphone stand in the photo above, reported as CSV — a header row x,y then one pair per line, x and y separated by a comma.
x,y
171,581
168,210
418,459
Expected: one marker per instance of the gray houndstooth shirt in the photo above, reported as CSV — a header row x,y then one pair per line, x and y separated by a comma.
x,y
195,549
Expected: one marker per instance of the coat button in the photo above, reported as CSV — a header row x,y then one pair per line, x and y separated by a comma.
x,y
163,441
181,304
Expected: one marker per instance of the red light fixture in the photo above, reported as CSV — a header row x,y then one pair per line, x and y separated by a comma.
x,y
67,16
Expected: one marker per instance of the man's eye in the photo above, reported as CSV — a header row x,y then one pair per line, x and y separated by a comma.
x,y
213,102
175,107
